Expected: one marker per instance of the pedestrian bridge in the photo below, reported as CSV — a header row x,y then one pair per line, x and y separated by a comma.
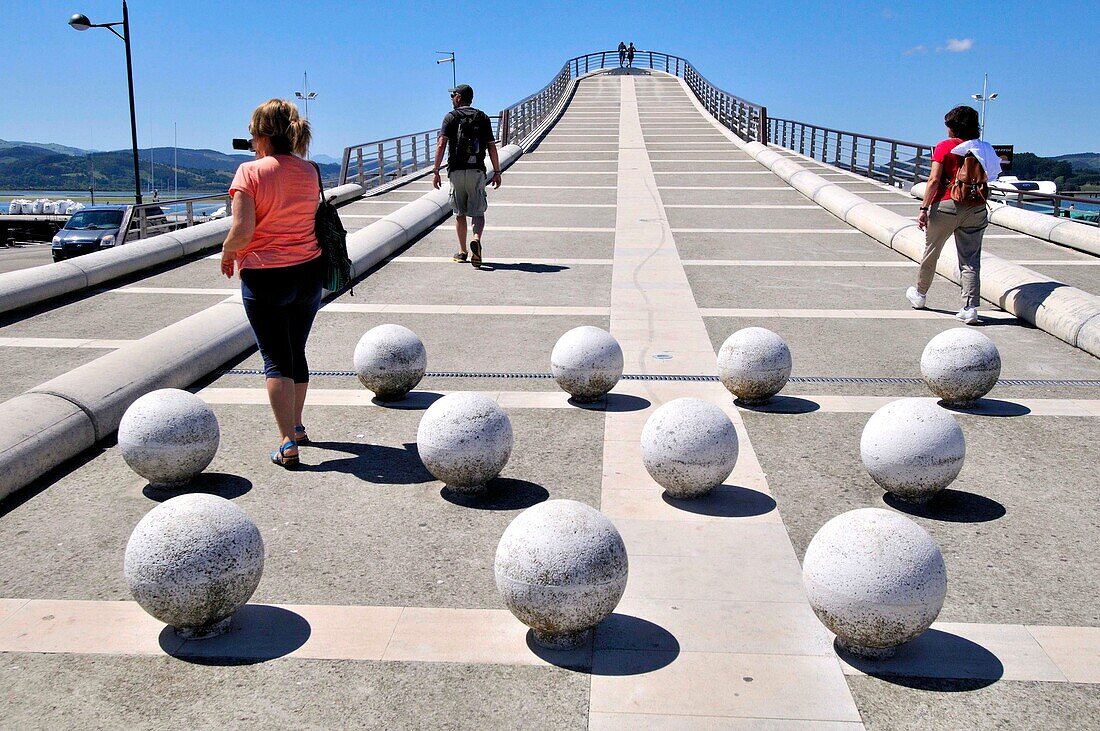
x,y
649,203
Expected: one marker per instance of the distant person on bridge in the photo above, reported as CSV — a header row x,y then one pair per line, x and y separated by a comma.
x,y
468,134
622,54
943,214
273,246
630,55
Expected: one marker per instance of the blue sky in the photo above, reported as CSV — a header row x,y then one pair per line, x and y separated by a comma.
x,y
886,68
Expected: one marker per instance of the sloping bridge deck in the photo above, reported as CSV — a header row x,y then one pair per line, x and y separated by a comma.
x,y
635,214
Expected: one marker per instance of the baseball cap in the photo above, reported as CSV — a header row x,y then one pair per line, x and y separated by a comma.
x,y
463,89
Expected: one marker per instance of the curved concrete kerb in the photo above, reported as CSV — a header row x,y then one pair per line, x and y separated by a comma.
x,y
168,436
754,364
912,449
193,561
390,360
875,578
587,362
561,568
960,366
465,439
689,447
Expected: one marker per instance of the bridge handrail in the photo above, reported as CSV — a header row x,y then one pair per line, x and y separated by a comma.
x,y
744,118
137,221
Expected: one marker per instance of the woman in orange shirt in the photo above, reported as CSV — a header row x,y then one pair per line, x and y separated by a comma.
x,y
273,246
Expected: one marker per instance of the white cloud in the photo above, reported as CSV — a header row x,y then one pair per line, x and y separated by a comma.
x,y
914,51
958,45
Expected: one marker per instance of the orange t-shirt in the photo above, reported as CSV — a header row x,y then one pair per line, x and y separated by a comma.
x,y
285,190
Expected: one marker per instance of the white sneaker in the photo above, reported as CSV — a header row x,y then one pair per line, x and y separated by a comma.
x,y
969,315
915,298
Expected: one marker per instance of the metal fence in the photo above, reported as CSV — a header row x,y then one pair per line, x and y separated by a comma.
x,y
151,219
747,120
381,161
1082,207
890,161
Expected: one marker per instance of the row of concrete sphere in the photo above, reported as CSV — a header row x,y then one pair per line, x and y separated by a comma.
x,y
561,566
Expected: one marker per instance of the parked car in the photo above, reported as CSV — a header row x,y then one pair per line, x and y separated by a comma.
x,y
98,227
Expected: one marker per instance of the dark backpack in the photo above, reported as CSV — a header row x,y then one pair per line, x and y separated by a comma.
x,y
971,184
332,239
468,138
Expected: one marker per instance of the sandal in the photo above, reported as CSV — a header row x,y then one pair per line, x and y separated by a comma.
x,y
475,253
459,257
281,458
304,438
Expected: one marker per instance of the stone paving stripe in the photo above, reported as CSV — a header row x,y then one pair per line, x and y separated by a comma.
x,y
898,314
552,187
512,172
505,260
552,205
775,206
1075,650
835,231
62,343
634,721
724,187
553,229
335,307
713,172
176,290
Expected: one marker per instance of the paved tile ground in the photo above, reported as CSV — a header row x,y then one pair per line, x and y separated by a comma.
x,y
714,629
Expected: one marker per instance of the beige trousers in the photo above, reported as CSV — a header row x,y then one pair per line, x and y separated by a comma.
x,y
968,224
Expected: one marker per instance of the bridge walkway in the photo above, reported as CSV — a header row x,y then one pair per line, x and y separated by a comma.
x,y
389,614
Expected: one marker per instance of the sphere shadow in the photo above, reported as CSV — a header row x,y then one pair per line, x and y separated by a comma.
x,y
781,405
989,407
210,483
413,401
622,645
952,506
504,493
936,660
623,402
258,633
374,463
725,501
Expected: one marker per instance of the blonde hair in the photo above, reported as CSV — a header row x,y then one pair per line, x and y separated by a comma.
x,y
278,120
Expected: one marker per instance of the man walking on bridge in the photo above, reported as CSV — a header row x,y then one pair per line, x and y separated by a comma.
x,y
468,133
622,54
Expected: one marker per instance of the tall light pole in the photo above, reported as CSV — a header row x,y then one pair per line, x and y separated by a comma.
x,y
80,21
451,60
305,96
983,98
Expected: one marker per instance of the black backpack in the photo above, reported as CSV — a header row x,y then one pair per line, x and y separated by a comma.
x,y
468,138
332,239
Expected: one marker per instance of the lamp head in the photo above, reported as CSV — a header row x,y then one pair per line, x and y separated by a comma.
x,y
978,97
992,97
312,95
79,21
298,95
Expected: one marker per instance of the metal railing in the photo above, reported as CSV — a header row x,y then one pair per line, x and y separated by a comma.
x,y
747,120
886,160
151,219
381,161
1054,204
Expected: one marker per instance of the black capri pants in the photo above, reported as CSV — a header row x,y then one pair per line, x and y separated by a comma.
x,y
281,303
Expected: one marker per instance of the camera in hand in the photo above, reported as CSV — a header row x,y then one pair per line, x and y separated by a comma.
x,y
242,144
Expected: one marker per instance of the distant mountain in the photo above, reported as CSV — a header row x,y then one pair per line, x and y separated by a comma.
x,y
60,149
327,159
27,167
1082,160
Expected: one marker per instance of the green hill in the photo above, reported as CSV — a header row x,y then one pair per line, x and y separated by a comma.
x,y
1082,160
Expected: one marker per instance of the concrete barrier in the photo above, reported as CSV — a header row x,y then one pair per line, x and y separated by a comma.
x,y
61,418
1056,230
37,284
1068,313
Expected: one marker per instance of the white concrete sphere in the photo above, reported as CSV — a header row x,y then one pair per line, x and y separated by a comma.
x,y
464,439
390,360
875,578
960,365
912,448
168,436
587,362
561,568
689,447
754,364
193,561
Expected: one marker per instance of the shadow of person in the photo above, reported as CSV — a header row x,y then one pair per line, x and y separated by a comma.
x,y
781,405
952,506
936,660
622,645
504,493
210,483
413,401
375,463
989,407
257,633
489,266
725,501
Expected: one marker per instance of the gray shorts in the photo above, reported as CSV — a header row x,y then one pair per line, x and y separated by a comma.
x,y
468,192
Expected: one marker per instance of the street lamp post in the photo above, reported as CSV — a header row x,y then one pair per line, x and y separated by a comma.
x,y
451,60
305,96
983,98
81,22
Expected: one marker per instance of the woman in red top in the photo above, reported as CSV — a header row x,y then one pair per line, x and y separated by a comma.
x,y
272,244
940,217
